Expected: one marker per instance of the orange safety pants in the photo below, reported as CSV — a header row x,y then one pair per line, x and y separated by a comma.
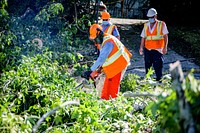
x,y
111,87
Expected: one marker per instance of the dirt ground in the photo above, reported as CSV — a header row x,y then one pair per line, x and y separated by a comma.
x,y
130,31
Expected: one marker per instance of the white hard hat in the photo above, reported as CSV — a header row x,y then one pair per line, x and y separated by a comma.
x,y
151,12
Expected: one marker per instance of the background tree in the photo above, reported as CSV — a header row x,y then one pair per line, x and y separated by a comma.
x,y
179,12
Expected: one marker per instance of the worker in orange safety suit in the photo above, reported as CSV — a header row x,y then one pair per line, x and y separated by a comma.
x,y
114,58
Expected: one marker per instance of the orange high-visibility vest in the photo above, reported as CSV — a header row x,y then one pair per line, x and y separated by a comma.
x,y
154,40
118,59
109,29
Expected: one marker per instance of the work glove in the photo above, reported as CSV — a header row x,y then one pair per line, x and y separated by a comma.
x,y
86,75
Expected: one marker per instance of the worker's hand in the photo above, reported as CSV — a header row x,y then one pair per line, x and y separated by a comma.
x,y
94,74
141,51
87,75
164,50
100,70
98,46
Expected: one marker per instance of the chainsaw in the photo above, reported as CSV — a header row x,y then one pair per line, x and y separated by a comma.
x,y
96,78
93,77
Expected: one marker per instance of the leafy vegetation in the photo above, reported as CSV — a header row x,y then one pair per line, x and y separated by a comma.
x,y
41,57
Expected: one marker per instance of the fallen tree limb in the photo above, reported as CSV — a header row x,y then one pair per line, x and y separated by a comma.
x,y
51,112
186,119
139,95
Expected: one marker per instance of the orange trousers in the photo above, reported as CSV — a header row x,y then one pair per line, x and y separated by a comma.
x,y
111,87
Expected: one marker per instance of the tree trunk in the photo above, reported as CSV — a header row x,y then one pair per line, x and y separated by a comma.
x,y
122,8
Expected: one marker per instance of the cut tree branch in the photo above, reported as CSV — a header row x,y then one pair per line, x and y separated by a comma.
x,y
139,95
186,118
51,112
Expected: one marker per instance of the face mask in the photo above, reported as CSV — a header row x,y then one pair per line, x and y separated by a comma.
x,y
151,20
105,22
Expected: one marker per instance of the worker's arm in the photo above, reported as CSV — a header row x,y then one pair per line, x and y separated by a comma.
x,y
142,42
116,33
142,46
104,52
164,51
165,32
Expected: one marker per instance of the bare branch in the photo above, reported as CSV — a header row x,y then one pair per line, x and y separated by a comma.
x,y
76,20
139,95
51,112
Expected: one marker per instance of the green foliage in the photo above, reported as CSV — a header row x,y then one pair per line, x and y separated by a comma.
x,y
102,116
166,110
192,92
37,85
3,4
134,83
6,38
129,83
35,80
10,58
3,17
84,22
167,113
49,12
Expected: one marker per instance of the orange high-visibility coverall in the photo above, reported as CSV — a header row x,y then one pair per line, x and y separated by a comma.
x,y
117,61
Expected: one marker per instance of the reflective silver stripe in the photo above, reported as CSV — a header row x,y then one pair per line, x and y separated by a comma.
x,y
110,29
154,37
112,59
105,39
159,28
158,36
108,37
116,56
121,51
146,28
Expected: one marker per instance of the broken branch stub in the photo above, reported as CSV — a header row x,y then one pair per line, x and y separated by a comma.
x,y
186,119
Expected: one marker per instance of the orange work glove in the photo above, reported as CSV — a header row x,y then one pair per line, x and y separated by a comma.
x,y
98,46
94,74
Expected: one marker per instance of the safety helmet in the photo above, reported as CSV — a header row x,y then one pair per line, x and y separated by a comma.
x,y
105,15
95,30
151,12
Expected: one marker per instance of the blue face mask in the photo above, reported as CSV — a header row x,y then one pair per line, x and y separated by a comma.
x,y
105,22
151,20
